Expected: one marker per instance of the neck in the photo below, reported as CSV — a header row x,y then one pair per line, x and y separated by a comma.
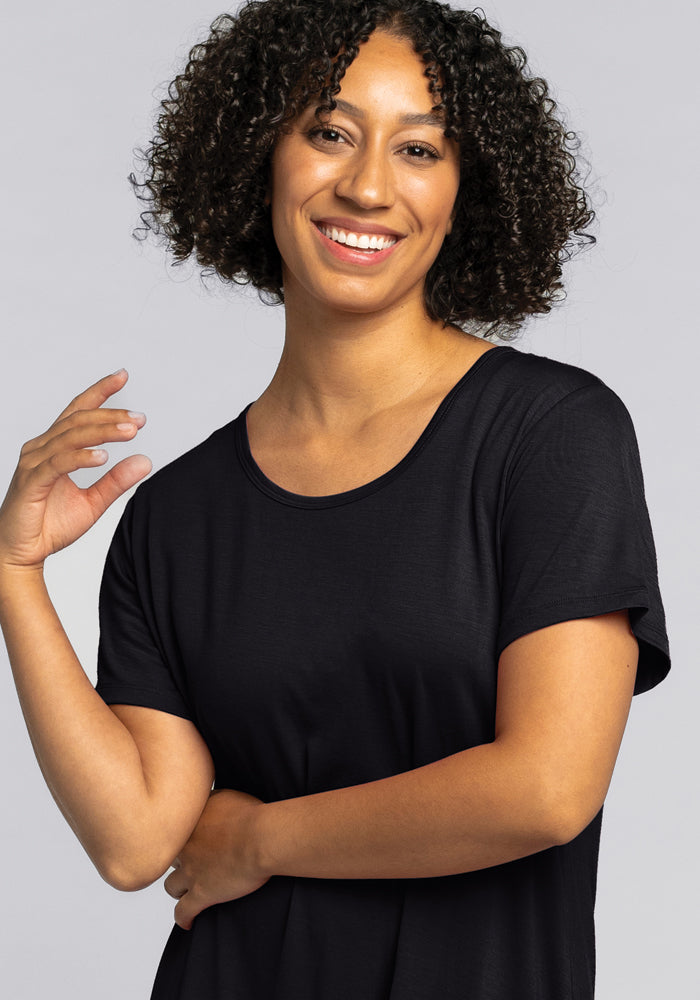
x,y
336,370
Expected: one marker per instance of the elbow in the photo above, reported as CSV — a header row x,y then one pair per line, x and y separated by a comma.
x,y
127,873
566,813
562,828
133,857
126,881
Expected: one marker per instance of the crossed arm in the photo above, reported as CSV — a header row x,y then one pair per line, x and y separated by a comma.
x,y
134,783
563,698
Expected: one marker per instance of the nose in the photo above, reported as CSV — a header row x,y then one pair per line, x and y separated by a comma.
x,y
366,179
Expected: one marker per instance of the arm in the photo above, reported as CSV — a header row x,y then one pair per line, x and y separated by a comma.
x,y
564,694
131,782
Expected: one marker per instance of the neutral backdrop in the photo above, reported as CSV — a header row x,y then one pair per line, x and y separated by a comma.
x,y
80,298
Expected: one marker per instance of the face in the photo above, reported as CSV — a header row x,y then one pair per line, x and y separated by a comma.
x,y
361,203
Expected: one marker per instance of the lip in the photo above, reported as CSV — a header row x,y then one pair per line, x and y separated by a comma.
x,y
350,255
355,226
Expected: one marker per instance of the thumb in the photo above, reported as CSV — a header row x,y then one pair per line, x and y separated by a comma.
x,y
117,481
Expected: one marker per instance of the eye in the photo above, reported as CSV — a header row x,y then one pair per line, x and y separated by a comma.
x,y
421,151
325,135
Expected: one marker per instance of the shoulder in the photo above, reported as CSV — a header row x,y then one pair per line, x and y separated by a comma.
x,y
532,386
533,375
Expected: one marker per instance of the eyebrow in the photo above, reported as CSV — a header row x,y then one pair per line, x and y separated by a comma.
x,y
434,118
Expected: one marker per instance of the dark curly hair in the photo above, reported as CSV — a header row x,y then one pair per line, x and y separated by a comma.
x,y
520,212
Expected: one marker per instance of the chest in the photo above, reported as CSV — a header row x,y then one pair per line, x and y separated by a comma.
x,y
322,465
338,644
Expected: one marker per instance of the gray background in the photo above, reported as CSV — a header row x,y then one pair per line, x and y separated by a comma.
x,y
80,298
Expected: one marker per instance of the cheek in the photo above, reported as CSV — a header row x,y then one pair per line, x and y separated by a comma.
x,y
438,214
296,175
283,199
434,200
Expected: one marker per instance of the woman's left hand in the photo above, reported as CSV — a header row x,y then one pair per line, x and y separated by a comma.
x,y
220,861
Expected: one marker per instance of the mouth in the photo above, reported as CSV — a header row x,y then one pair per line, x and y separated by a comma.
x,y
368,242
356,248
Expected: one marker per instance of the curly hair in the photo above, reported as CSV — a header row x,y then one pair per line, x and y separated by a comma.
x,y
521,210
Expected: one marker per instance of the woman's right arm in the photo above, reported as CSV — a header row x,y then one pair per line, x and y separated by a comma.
x,y
130,781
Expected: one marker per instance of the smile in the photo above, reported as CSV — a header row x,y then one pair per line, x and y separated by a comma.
x,y
361,241
357,249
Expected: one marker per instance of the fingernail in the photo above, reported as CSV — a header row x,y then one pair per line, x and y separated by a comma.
x,y
135,415
122,371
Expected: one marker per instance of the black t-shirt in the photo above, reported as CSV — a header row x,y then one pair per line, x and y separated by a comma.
x,y
320,642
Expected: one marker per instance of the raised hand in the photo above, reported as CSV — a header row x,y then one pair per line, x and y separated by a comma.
x,y
44,510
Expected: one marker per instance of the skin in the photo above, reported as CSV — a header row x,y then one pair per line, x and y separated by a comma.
x,y
365,162
363,367
362,370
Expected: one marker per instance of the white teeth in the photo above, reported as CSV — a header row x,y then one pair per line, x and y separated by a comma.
x,y
362,241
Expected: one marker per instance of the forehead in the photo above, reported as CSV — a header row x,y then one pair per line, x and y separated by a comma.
x,y
387,75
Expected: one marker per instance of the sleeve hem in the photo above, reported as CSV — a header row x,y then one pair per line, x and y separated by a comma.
x,y
121,694
654,659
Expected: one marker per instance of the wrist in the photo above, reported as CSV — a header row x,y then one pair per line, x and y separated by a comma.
x,y
267,838
14,578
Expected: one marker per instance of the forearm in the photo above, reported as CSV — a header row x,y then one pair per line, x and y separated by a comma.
x,y
478,808
564,693
88,757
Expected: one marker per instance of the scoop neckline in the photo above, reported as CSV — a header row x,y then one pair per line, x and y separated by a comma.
x,y
271,489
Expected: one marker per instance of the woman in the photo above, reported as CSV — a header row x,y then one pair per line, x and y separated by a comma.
x,y
397,609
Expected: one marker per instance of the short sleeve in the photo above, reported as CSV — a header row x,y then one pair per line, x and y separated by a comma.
x,y
132,667
576,539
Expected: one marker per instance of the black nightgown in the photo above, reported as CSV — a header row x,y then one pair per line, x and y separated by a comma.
x,y
320,642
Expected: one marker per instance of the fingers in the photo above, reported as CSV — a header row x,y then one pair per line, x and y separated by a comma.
x,y
185,913
174,885
82,430
94,396
76,444
44,510
91,399
187,909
